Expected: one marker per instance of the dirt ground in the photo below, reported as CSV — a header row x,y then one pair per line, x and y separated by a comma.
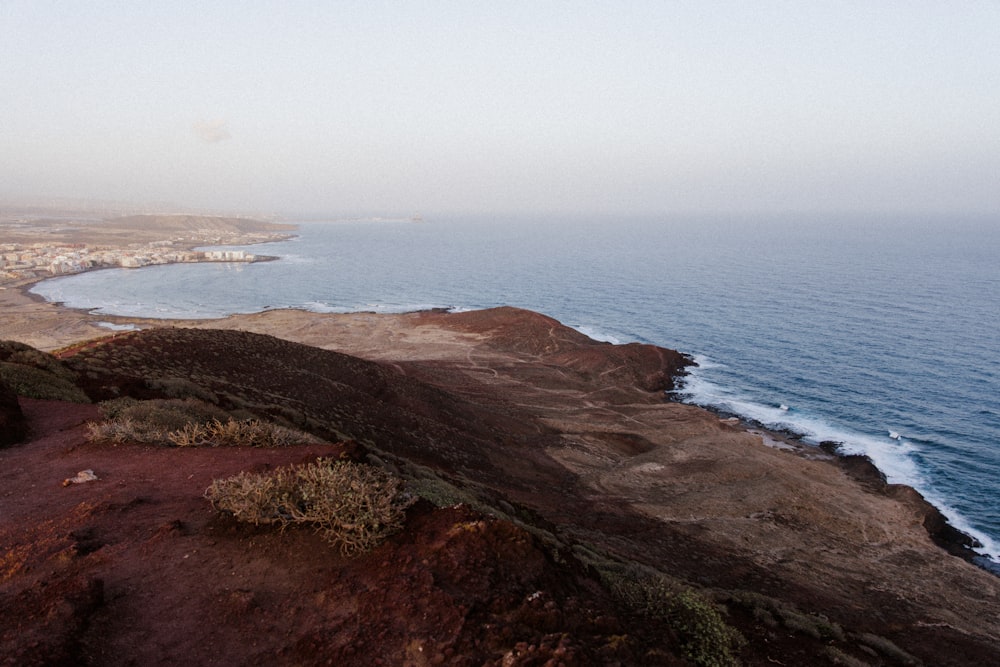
x,y
135,568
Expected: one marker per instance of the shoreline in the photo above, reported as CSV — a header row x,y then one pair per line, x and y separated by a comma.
x,y
862,469
72,327
532,424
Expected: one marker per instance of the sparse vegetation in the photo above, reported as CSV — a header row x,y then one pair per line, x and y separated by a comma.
x,y
774,613
838,657
25,355
34,382
176,387
705,637
701,632
150,422
354,506
888,649
238,433
187,422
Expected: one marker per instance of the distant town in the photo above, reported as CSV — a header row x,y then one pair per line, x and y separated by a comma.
x,y
33,250
39,260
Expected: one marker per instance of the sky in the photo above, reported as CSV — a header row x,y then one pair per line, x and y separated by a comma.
x,y
436,107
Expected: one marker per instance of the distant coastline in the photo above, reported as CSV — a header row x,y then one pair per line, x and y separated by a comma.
x,y
45,250
94,328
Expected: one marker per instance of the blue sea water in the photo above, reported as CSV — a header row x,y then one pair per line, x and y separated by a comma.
x,y
840,329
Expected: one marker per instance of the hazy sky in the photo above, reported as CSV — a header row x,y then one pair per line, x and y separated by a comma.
x,y
447,107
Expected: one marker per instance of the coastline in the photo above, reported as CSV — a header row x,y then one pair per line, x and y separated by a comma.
x,y
536,422
53,326
863,470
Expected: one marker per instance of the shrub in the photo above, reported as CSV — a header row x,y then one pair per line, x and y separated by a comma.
x,y
34,382
701,632
115,407
774,612
705,638
838,657
25,355
176,387
150,422
239,433
887,648
354,506
123,430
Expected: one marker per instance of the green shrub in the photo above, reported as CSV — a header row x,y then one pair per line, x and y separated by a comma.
x,y
354,506
25,355
33,382
701,632
705,637
773,612
176,387
114,408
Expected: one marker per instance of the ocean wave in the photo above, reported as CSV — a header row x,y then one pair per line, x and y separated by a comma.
x,y
383,308
894,454
596,334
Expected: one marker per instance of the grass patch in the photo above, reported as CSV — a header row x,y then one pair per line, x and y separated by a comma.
x,y
354,506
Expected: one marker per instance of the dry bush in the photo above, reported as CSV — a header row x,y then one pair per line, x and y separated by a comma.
x,y
125,429
187,422
150,422
239,433
354,506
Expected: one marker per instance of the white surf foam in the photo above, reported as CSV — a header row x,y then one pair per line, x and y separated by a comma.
x,y
595,334
894,457
384,308
118,327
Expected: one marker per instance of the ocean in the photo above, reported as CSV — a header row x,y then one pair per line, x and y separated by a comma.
x,y
882,334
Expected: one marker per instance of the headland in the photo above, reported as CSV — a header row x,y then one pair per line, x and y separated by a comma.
x,y
572,468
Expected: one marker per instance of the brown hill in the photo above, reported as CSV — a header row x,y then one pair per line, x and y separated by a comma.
x,y
599,523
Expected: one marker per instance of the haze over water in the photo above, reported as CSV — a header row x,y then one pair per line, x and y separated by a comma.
x,y
859,327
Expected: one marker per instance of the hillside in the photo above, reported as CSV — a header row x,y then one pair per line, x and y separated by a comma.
x,y
560,510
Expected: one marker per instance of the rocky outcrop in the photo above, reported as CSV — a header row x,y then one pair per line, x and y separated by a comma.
x,y
940,530
13,427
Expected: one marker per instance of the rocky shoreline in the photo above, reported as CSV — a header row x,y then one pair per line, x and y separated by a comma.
x,y
533,422
862,469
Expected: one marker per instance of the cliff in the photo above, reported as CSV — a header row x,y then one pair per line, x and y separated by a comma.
x,y
560,511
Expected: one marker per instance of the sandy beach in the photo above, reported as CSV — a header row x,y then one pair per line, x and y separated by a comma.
x,y
31,320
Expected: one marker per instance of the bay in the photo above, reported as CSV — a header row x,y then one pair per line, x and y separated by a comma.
x,y
844,329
